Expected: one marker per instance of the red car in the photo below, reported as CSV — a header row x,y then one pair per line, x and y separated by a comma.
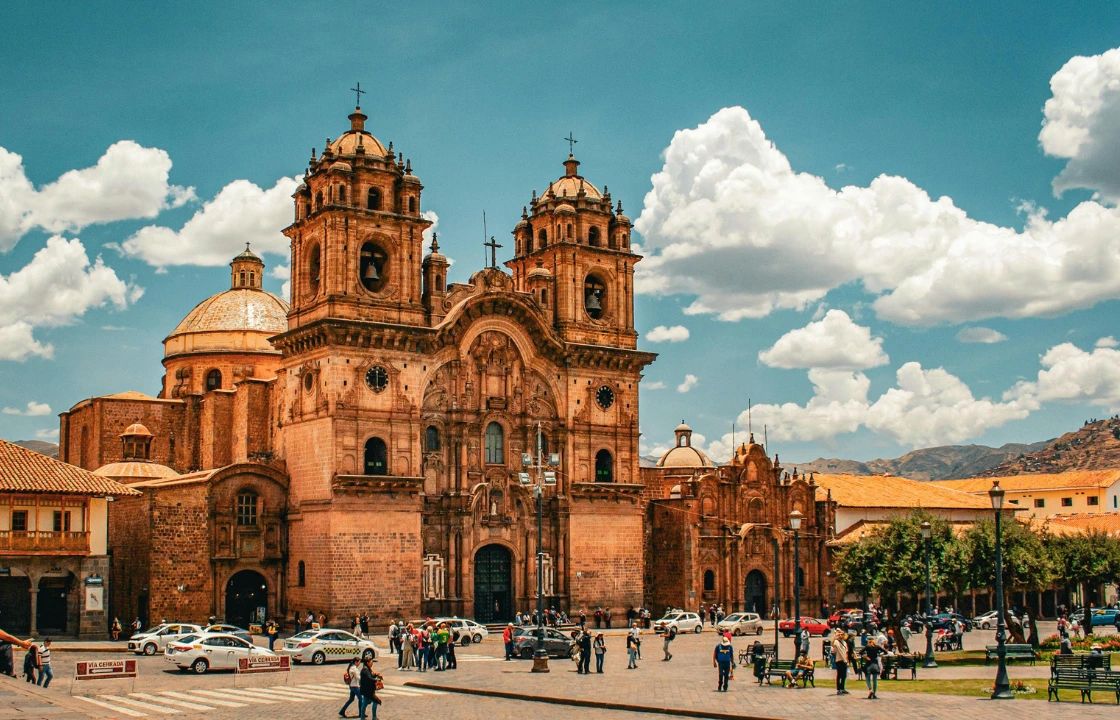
x,y
834,618
815,626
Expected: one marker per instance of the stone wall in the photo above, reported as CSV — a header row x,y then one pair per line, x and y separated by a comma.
x,y
131,548
180,554
607,553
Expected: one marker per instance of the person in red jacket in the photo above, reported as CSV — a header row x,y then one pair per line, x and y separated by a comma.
x,y
507,638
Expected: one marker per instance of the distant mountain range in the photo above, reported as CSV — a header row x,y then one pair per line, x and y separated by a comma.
x,y
946,462
43,448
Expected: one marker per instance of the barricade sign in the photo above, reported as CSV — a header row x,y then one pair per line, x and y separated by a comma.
x,y
264,663
105,669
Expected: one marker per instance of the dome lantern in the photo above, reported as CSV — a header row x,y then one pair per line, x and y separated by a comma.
x,y
247,270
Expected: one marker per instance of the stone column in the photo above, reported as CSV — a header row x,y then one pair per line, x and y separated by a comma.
x,y
34,610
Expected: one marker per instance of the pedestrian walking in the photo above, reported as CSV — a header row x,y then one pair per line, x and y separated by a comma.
x,y
368,685
31,663
871,668
670,636
507,638
584,653
632,648
272,629
759,659
598,617
840,658
607,617
353,677
405,657
452,664
115,630
46,672
600,652
723,658
364,622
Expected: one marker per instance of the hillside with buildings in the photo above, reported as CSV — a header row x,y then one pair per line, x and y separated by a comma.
x,y
1094,446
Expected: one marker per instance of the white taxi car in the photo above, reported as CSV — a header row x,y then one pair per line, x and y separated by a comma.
x,y
469,631
153,640
682,621
319,646
211,651
741,623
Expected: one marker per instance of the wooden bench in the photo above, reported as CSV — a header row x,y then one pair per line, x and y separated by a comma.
x,y
1014,651
746,657
893,663
1085,680
947,643
779,668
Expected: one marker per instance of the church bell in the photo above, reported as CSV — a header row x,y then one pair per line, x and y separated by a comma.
x,y
592,302
370,274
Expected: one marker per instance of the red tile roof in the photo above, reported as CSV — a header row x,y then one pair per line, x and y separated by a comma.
x,y
26,471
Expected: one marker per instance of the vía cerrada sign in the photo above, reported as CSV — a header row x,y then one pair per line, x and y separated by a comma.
x,y
264,663
105,669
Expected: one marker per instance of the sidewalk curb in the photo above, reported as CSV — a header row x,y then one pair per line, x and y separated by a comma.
x,y
597,704
34,691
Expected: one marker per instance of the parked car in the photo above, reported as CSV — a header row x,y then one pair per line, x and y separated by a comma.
x,y
849,619
985,621
1105,616
741,623
835,618
815,626
556,643
211,651
319,646
682,621
943,621
469,630
230,630
153,640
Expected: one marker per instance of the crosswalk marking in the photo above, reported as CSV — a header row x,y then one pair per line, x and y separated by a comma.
x,y
176,703
142,705
248,699
320,693
281,693
114,708
261,695
184,696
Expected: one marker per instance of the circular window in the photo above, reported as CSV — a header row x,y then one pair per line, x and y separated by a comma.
x,y
605,397
308,381
377,378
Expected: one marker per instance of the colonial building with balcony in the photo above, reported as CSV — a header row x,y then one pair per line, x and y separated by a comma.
x,y
54,563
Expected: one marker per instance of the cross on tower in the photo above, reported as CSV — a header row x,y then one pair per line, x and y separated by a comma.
x,y
358,90
493,251
571,143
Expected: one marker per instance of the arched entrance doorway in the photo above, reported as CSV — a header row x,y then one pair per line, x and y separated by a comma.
x,y
246,598
51,606
493,590
755,593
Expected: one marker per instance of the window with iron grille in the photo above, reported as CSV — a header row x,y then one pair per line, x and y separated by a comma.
x,y
247,508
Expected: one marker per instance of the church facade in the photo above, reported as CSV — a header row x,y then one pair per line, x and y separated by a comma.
x,y
373,446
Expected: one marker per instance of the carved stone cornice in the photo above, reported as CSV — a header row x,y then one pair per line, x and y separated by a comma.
x,y
362,484
606,491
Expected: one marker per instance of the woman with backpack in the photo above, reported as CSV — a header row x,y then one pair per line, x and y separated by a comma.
x,y
871,668
31,663
353,677
369,683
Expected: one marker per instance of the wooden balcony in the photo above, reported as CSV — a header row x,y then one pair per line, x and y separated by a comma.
x,y
16,542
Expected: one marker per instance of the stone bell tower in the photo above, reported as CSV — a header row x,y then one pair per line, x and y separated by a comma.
x,y
574,234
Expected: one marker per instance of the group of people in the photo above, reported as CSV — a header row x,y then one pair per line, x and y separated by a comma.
x,y
364,684
429,646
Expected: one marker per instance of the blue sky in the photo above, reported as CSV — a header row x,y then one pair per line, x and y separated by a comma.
x,y
950,103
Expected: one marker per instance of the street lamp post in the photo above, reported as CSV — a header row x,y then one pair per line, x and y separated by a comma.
x,y
930,662
540,657
1002,689
795,525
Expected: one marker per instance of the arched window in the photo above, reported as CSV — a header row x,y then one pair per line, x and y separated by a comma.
x,y
593,237
529,244
594,296
431,439
246,508
319,200
302,573
373,199
495,441
376,457
342,194
801,577
544,297
604,466
439,283
373,265
542,236
412,204
241,279
709,581
314,267
214,380
569,231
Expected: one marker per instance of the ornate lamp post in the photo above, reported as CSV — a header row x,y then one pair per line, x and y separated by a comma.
x,y
540,657
1002,689
930,662
795,525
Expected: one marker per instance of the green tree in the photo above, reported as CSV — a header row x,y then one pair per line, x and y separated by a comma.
x,y
1027,562
1087,561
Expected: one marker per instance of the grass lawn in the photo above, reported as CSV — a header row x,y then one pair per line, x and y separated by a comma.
x,y
973,688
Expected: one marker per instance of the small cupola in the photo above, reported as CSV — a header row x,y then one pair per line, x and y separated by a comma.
x,y
136,442
684,435
571,167
246,272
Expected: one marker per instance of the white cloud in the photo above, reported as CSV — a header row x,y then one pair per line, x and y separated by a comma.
x,y
690,381
839,405
727,205
980,335
47,434
56,287
1082,123
1107,342
284,272
129,181
33,409
833,342
677,333
1071,375
655,385
241,212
